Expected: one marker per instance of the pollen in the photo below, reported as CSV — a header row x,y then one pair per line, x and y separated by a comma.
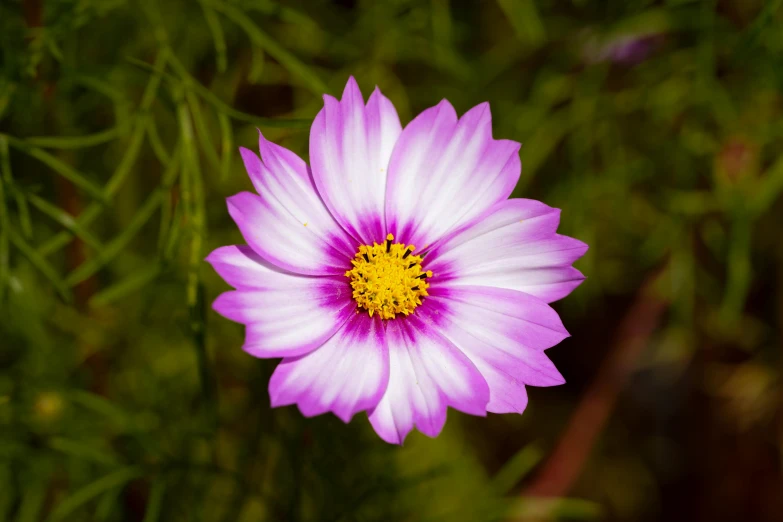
x,y
387,279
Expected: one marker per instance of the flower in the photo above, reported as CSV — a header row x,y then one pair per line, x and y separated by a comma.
x,y
394,275
625,49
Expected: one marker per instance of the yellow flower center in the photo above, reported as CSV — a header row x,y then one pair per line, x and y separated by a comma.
x,y
387,279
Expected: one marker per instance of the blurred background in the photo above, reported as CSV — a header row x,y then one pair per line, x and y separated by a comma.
x,y
655,125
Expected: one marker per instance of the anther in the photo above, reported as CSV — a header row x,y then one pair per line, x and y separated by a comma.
x,y
384,284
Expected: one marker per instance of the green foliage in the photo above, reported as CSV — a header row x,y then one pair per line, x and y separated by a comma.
x,y
655,126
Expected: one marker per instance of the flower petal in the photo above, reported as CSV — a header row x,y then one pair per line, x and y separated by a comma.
x,y
279,238
346,375
444,173
427,374
504,333
288,224
284,314
515,246
350,147
242,268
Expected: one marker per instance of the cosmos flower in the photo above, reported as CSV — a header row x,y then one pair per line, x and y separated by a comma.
x,y
625,49
393,275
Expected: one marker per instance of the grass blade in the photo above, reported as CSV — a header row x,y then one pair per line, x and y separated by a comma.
x,y
38,261
76,142
33,498
193,207
103,407
128,160
90,491
516,468
66,220
169,177
221,106
116,246
226,145
4,272
523,17
127,286
156,143
83,451
58,166
260,38
217,36
155,502
21,203
202,132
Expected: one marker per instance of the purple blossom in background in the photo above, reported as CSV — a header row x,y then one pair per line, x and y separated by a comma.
x,y
393,275
629,49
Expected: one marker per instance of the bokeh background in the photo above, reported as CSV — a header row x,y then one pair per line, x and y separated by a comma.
x,y
655,125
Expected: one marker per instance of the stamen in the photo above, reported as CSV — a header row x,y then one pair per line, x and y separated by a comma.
x,y
382,283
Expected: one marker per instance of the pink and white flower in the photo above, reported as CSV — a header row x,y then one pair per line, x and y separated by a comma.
x,y
394,276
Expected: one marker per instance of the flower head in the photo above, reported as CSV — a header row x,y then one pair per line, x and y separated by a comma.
x,y
394,276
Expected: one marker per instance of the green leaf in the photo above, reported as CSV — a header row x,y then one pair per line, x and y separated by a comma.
x,y
217,36
77,142
223,107
541,144
87,493
156,143
129,158
173,235
226,145
123,168
113,248
5,160
107,504
24,213
129,285
38,261
83,451
65,220
21,203
101,406
256,64
33,497
58,166
4,251
279,53
769,188
516,468
524,18
202,132
169,177
7,89
155,501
